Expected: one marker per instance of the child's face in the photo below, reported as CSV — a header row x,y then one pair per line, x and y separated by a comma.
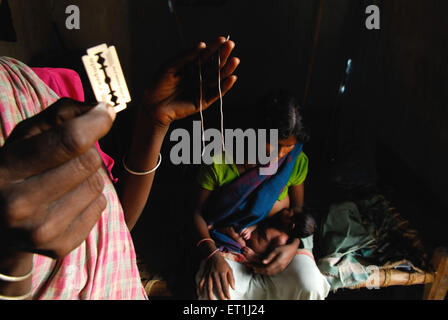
x,y
284,147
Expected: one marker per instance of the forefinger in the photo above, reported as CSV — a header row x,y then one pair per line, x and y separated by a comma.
x,y
213,47
219,287
225,286
210,288
39,153
225,52
268,270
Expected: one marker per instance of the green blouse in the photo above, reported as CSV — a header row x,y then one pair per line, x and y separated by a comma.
x,y
212,177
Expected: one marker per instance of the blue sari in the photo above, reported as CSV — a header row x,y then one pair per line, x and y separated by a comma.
x,y
247,200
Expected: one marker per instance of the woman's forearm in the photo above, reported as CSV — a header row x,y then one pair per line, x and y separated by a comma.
x,y
15,265
142,156
297,195
168,99
202,232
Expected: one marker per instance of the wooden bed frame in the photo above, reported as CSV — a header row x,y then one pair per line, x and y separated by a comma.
x,y
436,282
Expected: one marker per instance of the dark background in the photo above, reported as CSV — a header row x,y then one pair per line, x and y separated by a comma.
x,y
389,128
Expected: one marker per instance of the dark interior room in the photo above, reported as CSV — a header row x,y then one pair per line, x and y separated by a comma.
x,y
373,94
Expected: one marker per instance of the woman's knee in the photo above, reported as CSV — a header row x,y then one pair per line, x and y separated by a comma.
x,y
311,284
313,288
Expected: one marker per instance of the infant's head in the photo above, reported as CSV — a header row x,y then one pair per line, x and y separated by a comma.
x,y
303,225
297,225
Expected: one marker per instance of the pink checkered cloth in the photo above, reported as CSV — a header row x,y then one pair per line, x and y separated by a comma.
x,y
104,267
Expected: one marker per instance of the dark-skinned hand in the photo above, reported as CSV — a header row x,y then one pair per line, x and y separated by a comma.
x,y
218,277
50,188
175,92
277,261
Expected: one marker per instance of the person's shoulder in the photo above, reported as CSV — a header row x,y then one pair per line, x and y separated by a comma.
x,y
223,158
216,173
302,157
222,162
300,170
302,161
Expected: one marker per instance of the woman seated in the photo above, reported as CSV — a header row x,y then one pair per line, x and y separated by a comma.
x,y
233,198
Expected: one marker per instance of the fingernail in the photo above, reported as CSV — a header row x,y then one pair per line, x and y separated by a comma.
x,y
108,108
111,111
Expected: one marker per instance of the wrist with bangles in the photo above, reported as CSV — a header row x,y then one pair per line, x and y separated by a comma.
x,y
208,240
16,279
136,173
212,254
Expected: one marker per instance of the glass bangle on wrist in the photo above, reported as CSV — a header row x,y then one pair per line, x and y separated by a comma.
x,y
212,254
204,240
135,173
13,279
24,297
6,278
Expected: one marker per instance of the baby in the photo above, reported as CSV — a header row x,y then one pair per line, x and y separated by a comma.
x,y
259,240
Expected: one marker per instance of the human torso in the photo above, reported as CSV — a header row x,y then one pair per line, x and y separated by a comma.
x,y
279,204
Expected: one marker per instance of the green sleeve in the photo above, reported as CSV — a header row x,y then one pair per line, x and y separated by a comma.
x,y
300,171
207,177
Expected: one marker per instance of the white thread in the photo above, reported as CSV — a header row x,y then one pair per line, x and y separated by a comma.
x,y
221,103
201,106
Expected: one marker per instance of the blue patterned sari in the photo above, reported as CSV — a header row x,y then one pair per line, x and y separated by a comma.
x,y
247,200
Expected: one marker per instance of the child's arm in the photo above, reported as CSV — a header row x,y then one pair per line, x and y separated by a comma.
x,y
247,233
251,256
230,231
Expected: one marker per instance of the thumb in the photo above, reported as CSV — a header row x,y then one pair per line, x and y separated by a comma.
x,y
270,257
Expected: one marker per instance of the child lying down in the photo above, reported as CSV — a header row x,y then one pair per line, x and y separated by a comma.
x,y
259,240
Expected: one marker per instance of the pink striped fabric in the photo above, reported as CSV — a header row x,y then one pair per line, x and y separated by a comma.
x,y
104,266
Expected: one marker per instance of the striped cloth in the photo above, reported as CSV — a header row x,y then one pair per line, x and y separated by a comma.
x,y
104,266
